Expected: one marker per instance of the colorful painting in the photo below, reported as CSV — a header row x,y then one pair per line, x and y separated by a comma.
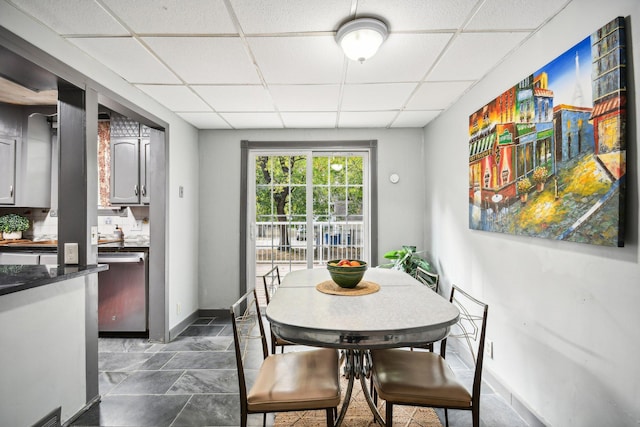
x,y
547,156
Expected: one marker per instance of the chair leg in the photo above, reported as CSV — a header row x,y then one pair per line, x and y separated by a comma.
x,y
475,414
243,419
446,417
264,419
389,415
330,417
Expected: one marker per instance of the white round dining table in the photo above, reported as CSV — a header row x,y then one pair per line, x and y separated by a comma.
x,y
402,313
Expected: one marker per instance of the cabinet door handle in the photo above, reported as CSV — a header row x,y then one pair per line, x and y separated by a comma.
x,y
144,191
135,189
11,191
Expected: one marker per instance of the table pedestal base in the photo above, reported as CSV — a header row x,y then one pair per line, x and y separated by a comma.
x,y
357,365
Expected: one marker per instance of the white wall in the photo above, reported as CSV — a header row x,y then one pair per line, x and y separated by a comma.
x,y
400,216
563,316
182,228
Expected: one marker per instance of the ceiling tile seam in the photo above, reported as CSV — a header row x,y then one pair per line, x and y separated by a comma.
x,y
142,43
252,57
345,68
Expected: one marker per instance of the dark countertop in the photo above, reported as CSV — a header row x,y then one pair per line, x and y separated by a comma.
x,y
15,278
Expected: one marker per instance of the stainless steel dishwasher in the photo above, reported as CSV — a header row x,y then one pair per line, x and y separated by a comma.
x,y
122,292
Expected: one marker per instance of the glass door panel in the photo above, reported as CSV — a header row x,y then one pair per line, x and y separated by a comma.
x,y
307,208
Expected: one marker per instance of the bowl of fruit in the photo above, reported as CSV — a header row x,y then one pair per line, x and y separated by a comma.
x,y
347,273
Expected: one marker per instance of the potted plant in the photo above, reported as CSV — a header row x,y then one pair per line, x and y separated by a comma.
x,y
523,185
539,177
12,226
407,259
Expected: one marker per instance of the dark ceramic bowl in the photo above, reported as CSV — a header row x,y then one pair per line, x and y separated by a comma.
x,y
346,277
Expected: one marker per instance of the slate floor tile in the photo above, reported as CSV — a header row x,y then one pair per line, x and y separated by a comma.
x,y
202,330
206,381
147,382
202,360
210,410
139,411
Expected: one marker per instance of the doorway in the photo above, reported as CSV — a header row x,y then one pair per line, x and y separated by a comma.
x,y
305,207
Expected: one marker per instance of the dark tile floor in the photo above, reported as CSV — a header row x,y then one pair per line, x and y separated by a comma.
x,y
192,381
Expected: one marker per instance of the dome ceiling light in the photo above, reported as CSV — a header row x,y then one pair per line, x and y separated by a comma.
x,y
361,38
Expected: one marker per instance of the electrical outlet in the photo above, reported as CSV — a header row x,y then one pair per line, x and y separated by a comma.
x,y
181,191
71,253
488,349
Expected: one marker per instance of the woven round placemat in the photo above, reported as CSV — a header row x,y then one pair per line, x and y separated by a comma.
x,y
363,288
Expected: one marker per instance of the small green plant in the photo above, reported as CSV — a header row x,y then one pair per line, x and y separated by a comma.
x,y
407,259
13,222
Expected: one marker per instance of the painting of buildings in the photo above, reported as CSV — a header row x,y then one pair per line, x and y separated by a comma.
x,y
547,156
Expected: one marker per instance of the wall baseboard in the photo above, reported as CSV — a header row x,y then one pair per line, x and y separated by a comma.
x,y
176,330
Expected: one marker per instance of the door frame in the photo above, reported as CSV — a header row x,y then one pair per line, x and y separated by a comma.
x,y
341,145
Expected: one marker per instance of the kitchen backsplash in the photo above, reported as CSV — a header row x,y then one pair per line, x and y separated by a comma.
x,y
134,221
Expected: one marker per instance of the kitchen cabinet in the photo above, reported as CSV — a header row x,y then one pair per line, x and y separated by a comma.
x,y
130,172
7,171
25,158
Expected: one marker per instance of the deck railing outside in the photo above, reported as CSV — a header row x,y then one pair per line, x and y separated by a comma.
x,y
330,240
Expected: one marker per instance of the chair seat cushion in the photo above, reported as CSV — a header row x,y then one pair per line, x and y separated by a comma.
x,y
417,378
296,381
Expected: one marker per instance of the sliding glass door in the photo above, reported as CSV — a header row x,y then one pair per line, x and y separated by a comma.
x,y
305,208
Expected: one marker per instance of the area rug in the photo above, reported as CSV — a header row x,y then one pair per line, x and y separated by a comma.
x,y
359,414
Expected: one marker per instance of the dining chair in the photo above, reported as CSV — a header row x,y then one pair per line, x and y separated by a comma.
x,y
295,381
427,278
422,378
271,281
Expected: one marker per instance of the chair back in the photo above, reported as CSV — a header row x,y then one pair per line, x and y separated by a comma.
x,y
248,338
469,331
271,281
427,278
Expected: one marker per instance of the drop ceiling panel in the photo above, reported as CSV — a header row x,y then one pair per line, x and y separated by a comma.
x,y
206,60
383,96
176,98
73,16
174,16
290,16
412,119
472,55
298,60
514,14
128,58
253,120
275,63
365,119
306,97
437,95
402,58
418,15
309,120
236,98
205,120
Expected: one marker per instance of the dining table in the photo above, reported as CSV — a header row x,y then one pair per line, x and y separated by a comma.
x,y
388,309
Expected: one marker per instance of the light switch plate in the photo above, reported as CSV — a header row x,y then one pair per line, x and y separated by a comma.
x,y
94,235
71,253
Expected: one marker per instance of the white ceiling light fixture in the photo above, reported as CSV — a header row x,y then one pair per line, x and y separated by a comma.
x,y
361,38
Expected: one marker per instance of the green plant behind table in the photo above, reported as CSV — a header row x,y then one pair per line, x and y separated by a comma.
x,y
407,259
13,222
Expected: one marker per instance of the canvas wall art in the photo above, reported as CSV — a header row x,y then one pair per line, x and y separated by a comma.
x,y
547,156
